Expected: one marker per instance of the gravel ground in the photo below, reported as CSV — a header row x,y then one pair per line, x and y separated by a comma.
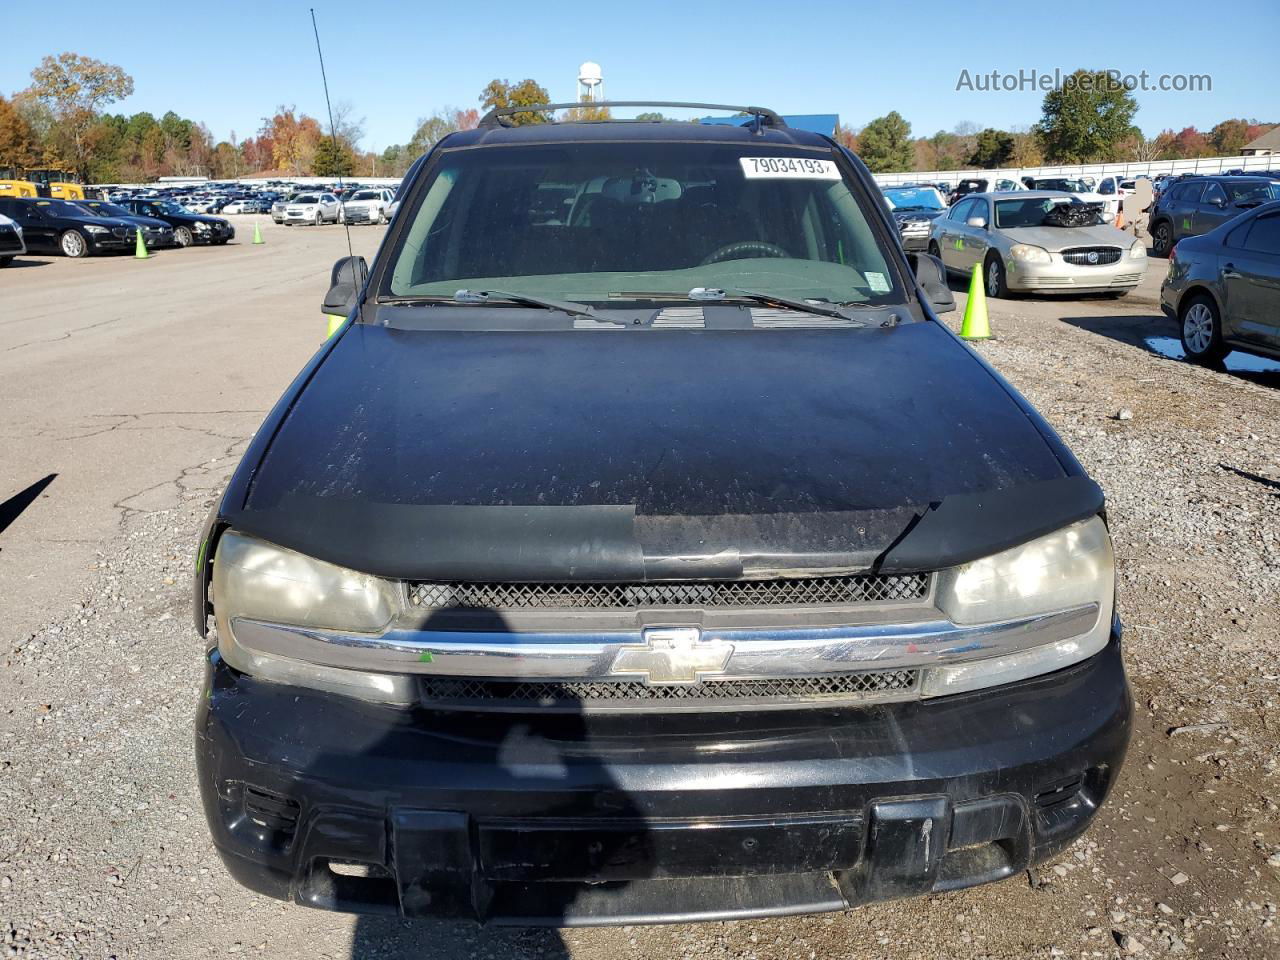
x,y
104,853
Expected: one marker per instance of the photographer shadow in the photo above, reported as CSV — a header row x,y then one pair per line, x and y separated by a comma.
x,y
548,825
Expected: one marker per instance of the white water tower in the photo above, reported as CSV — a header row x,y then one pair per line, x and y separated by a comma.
x,y
590,83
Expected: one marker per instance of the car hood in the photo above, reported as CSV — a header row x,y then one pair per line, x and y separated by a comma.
x,y
150,223
606,455
1054,239
917,214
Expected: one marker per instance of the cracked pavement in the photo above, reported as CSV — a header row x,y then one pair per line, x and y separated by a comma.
x,y
134,380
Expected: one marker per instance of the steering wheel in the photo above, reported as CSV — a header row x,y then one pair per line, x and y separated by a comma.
x,y
742,250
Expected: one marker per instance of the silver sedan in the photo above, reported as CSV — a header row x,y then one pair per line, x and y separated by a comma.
x,y
1014,238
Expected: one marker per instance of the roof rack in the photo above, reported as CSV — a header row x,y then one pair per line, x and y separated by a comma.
x,y
763,116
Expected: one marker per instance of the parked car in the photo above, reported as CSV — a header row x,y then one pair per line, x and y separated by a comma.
x,y
278,207
242,205
914,209
11,242
313,208
668,560
155,232
1021,249
1115,187
1223,287
188,227
368,206
1200,204
60,226
983,185
1080,188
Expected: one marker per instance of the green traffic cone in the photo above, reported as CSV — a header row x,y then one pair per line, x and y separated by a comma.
x,y
976,326
257,233
140,248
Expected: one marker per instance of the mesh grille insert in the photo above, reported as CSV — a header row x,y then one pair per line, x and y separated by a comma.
x,y
1091,256
837,686
688,593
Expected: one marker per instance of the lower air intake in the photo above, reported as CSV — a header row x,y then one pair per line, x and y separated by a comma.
x,y
828,688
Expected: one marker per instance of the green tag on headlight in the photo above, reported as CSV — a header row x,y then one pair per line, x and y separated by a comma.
x,y
425,657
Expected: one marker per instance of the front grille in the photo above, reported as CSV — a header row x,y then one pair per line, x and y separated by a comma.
x,y
866,685
807,591
1091,256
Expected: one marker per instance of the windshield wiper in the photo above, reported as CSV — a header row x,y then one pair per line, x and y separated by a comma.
x,y
718,295
801,306
573,309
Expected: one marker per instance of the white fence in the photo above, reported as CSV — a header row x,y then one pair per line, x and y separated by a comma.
x,y
1151,168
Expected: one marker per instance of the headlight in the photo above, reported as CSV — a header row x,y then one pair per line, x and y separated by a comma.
x,y
1138,249
1029,253
201,225
95,229
257,581
1070,569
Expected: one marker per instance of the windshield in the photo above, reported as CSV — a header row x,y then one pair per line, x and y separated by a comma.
x,y
64,208
1063,183
168,206
915,198
306,198
622,221
100,209
1253,193
1030,212
366,195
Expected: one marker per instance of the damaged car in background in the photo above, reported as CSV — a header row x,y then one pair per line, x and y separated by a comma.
x,y
1037,242
654,557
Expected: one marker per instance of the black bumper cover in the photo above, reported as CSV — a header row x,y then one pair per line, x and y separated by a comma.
x,y
502,820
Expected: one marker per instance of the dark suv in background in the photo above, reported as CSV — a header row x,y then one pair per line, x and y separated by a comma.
x,y
651,555
1197,205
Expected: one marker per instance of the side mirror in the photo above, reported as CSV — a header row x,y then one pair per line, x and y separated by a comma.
x,y
932,277
1218,202
979,222
345,283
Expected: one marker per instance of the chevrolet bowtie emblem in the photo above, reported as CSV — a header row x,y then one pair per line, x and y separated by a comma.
x,y
672,655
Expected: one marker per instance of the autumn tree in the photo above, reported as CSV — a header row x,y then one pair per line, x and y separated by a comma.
x,y
1086,118
886,144
846,137
17,139
294,139
502,95
1229,137
75,89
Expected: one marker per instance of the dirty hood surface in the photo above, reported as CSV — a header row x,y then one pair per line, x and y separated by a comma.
x,y
634,454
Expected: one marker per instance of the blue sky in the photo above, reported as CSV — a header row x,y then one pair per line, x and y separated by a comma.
x,y
230,64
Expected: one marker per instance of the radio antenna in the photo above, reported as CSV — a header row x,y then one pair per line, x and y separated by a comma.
x,y
333,136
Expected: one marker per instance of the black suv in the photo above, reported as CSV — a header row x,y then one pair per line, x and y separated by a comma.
x,y
188,227
654,554
1197,205
60,226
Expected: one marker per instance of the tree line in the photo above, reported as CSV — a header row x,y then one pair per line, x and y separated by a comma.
x,y
61,122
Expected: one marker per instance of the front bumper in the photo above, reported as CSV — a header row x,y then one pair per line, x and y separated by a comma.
x,y
1124,274
552,820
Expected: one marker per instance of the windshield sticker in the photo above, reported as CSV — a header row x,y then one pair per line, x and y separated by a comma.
x,y
877,283
788,168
